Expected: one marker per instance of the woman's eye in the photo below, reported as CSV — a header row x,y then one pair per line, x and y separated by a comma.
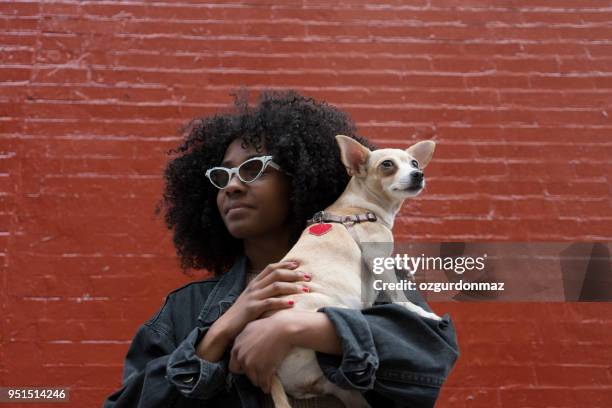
x,y
415,164
387,164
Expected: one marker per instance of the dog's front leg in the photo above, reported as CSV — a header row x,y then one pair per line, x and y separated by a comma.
x,y
398,295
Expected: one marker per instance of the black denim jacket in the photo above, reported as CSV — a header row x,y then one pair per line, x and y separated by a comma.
x,y
393,356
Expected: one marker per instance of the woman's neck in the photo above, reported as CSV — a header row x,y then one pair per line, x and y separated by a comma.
x,y
262,251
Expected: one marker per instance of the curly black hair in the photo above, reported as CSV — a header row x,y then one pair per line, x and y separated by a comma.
x,y
297,130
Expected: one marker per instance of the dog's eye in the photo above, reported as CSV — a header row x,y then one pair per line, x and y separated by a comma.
x,y
415,164
387,164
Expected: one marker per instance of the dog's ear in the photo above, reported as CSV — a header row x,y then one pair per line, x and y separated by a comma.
x,y
354,155
422,152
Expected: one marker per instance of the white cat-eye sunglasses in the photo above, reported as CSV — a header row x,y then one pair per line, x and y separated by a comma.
x,y
249,171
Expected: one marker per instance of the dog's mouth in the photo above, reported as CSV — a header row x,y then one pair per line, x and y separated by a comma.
x,y
411,188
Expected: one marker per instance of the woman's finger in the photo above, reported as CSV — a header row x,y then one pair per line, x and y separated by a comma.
x,y
264,381
273,303
252,374
281,275
235,365
280,289
272,267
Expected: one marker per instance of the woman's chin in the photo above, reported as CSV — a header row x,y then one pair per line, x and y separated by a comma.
x,y
240,230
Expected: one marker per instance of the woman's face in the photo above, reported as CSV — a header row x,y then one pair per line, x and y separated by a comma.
x,y
264,202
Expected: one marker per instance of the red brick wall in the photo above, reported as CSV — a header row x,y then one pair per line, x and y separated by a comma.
x,y
516,93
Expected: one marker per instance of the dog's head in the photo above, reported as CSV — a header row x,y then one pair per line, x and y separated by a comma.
x,y
394,174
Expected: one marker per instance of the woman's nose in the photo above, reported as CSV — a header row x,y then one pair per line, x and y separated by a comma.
x,y
234,184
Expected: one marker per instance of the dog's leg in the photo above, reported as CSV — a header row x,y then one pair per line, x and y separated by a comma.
x,y
399,297
384,249
277,391
419,310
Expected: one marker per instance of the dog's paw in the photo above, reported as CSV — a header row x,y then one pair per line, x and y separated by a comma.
x,y
419,310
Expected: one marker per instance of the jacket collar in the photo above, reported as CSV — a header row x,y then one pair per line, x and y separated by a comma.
x,y
225,292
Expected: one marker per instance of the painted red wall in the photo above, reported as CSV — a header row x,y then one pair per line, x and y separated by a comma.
x,y
516,93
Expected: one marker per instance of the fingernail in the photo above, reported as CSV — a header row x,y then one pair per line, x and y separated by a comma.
x,y
305,289
290,302
307,276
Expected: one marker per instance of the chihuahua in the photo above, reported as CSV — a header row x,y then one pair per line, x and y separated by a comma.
x,y
332,251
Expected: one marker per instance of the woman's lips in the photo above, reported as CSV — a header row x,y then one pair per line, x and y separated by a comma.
x,y
238,210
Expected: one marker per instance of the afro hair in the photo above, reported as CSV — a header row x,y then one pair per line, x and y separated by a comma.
x,y
297,130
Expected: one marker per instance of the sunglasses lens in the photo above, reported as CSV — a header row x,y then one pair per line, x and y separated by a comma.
x,y
220,178
250,170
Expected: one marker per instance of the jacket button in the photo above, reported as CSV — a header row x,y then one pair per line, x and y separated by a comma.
x,y
188,380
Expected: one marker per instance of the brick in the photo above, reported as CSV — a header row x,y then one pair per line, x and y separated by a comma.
x,y
496,375
469,397
538,397
572,375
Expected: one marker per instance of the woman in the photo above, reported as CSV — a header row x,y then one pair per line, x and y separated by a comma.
x,y
280,164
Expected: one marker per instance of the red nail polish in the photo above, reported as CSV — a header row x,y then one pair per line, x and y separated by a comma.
x,y
305,289
290,302
307,276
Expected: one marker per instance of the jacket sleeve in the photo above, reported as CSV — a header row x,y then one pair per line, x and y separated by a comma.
x,y
157,371
395,357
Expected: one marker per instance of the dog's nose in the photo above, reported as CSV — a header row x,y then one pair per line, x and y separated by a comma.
x,y
417,176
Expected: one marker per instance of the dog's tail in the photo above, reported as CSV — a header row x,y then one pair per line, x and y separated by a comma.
x,y
279,396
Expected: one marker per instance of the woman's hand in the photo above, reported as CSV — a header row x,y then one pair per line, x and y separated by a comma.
x,y
264,343
261,296
262,346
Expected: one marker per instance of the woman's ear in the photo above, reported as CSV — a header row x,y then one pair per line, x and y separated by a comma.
x,y
354,155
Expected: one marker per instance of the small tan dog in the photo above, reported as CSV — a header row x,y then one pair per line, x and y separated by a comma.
x,y
331,253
